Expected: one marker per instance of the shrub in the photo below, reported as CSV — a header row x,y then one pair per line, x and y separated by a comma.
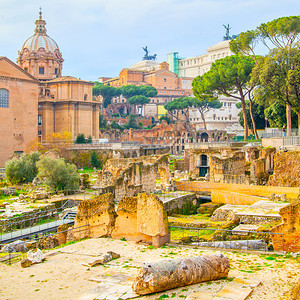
x,y
22,169
58,174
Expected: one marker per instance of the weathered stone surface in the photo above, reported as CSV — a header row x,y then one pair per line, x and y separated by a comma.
x,y
286,169
16,246
243,244
31,245
25,263
99,213
290,227
295,292
114,255
151,215
169,274
35,256
126,221
48,242
62,233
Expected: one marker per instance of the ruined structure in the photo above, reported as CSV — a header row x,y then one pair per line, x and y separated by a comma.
x,y
290,227
170,274
129,176
286,169
230,162
141,218
176,136
98,213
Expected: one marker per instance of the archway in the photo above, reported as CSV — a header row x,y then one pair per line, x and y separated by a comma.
x,y
204,137
203,168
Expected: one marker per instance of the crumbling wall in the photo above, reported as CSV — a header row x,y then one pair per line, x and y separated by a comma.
x,y
131,176
234,165
286,169
126,221
142,218
290,227
98,213
152,219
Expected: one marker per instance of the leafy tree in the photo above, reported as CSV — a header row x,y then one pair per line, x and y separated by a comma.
x,y
102,122
166,118
23,168
132,122
279,79
80,139
228,76
180,104
95,163
275,114
115,125
58,174
138,100
88,140
258,114
107,92
205,103
129,91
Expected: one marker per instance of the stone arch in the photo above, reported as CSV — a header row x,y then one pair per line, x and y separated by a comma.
x,y
204,137
134,154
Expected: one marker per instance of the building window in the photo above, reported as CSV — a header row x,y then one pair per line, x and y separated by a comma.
x,y
39,133
4,98
56,71
39,119
165,79
26,69
85,97
41,70
164,87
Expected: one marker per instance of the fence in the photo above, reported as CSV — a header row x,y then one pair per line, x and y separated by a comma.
x,y
291,141
28,220
224,238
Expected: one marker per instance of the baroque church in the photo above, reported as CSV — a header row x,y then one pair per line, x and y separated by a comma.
x,y
36,100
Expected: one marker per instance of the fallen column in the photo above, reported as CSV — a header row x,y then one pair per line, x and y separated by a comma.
x,y
169,274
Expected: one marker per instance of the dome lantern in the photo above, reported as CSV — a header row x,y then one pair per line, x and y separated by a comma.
x,y
40,54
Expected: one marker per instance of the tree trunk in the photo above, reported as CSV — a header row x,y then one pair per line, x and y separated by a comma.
x,y
252,118
245,118
203,119
288,118
169,274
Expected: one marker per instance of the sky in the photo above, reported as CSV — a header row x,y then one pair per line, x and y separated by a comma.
x,y
98,38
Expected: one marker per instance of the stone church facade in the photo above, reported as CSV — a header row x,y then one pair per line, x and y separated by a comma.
x,y
36,100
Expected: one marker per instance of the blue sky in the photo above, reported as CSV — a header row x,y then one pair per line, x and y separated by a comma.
x,y
99,38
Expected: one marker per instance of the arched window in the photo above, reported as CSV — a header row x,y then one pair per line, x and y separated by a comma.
x,y
4,98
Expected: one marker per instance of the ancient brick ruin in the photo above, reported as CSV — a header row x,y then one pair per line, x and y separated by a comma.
x,y
129,176
142,218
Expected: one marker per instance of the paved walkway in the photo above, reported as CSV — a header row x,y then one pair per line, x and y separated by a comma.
x,y
26,232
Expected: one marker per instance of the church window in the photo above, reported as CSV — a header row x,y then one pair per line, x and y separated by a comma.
x,y
26,69
4,98
41,70
85,97
39,120
56,71
165,79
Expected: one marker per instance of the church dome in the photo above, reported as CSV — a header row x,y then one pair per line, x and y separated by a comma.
x,y
40,41
40,55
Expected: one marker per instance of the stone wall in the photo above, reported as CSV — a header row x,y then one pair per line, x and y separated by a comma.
x,y
129,176
290,227
286,169
141,218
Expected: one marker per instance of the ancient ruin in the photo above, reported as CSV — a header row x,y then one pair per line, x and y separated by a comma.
x,y
129,176
169,274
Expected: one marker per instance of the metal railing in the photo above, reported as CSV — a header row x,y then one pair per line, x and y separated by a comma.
x,y
233,239
291,141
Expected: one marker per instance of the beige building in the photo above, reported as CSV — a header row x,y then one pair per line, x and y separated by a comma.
x,y
18,109
65,103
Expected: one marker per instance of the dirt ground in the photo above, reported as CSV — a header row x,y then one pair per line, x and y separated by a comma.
x,y
62,275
